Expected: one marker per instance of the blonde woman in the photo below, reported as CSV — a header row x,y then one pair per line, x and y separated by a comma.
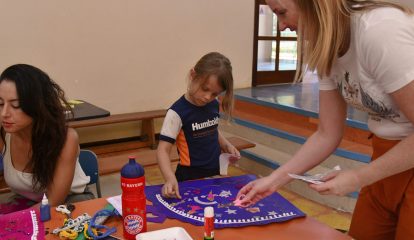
x,y
363,52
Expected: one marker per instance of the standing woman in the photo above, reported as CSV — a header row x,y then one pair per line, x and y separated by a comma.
x,y
363,52
40,152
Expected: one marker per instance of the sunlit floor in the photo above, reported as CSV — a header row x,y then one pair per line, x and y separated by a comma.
x,y
300,98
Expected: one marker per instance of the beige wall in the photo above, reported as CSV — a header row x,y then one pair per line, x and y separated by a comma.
x,y
409,3
126,55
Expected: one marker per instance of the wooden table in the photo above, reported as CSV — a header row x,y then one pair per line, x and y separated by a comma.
x,y
300,228
83,110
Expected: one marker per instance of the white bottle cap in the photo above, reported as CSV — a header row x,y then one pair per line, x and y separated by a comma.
x,y
45,201
208,212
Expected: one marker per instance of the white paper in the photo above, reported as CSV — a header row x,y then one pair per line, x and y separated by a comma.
x,y
116,202
309,179
224,163
315,179
225,159
173,233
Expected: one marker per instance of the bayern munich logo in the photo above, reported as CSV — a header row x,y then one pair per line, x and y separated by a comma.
x,y
133,224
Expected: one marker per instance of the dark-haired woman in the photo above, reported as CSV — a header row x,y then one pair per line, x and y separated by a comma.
x,y
40,152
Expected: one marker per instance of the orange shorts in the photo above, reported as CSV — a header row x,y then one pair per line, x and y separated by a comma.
x,y
385,209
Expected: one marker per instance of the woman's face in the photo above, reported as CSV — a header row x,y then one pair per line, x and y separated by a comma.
x,y
12,117
287,13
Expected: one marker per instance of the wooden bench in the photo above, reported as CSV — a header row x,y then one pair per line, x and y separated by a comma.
x,y
147,132
112,163
147,129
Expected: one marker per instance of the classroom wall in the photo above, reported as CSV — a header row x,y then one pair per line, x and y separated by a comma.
x,y
129,55
409,3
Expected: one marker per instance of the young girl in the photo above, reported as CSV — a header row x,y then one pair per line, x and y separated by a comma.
x,y
363,50
40,152
192,123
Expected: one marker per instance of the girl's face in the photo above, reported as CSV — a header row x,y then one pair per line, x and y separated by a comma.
x,y
12,117
287,13
201,94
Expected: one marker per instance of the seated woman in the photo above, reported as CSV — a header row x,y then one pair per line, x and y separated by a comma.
x,y
40,152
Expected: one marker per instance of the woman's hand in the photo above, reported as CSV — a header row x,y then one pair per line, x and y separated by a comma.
x,y
170,189
338,183
255,191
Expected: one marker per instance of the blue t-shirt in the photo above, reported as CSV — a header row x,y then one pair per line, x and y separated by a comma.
x,y
195,131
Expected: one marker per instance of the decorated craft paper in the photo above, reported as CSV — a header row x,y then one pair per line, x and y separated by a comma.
x,y
22,225
220,194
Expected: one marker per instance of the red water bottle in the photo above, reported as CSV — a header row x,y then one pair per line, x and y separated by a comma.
x,y
133,199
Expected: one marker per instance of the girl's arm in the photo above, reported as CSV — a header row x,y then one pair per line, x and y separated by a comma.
x,y
170,188
59,189
227,147
398,159
332,113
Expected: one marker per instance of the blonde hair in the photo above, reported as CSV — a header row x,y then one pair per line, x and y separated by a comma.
x,y
216,64
324,31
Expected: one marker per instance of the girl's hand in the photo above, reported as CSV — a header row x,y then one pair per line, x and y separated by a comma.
x,y
255,191
229,148
338,183
170,189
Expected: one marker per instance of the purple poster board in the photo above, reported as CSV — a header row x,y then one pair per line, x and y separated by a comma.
x,y
220,194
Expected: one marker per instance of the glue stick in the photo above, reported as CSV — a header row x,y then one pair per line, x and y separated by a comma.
x,y
209,223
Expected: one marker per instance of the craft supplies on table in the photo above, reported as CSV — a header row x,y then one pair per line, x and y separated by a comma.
x,y
221,193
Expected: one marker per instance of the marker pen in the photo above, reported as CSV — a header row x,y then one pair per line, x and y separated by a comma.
x,y
208,223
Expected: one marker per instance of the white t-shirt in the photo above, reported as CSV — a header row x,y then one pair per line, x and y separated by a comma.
x,y
21,182
380,60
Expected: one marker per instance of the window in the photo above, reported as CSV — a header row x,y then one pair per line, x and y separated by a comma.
x,y
274,52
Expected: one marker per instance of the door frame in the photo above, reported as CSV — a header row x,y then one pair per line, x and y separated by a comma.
x,y
268,77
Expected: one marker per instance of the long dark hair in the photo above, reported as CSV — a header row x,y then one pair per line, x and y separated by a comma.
x,y
44,101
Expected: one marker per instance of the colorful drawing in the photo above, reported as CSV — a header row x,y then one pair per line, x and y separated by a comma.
x,y
220,194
